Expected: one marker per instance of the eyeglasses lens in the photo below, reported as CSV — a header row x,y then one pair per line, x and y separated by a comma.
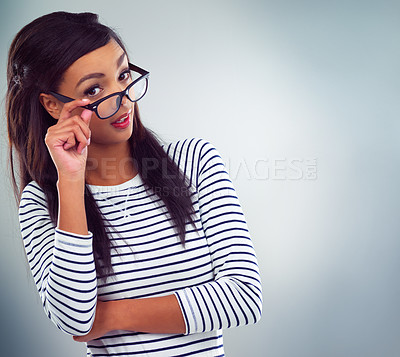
x,y
110,106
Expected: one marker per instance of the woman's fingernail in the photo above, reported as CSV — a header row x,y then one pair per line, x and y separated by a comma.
x,y
83,151
88,141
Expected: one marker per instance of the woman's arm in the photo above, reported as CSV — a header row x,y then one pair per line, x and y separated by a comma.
x,y
61,258
234,297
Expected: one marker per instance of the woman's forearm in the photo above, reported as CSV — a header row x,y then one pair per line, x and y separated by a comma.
x,y
154,315
71,205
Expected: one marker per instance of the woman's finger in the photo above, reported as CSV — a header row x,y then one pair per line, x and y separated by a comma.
x,y
80,137
72,135
75,120
69,107
86,115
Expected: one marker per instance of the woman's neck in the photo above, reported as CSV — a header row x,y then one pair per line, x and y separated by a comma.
x,y
109,166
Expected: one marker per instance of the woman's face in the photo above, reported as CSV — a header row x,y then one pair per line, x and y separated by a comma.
x,y
94,76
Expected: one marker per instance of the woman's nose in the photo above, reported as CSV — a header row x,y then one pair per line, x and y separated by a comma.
x,y
125,101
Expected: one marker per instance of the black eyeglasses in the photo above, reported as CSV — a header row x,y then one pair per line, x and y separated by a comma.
x,y
106,107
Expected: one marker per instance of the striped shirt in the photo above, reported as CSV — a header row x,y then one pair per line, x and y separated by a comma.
x,y
215,277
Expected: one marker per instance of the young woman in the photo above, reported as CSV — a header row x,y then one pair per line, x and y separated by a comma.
x,y
136,248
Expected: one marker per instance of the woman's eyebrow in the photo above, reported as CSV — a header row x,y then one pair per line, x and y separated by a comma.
x,y
89,76
100,75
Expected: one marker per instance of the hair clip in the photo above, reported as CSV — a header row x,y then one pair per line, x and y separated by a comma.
x,y
17,80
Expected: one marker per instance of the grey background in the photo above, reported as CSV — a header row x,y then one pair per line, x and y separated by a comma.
x,y
301,99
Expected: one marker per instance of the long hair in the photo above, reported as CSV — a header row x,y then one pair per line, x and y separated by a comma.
x,y
38,57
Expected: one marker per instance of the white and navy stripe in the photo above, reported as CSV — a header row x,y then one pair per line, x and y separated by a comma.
x,y
215,277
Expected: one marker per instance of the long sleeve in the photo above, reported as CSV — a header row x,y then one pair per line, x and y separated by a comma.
x,y
61,263
234,297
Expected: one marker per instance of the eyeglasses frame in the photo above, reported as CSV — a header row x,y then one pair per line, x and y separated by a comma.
x,y
93,106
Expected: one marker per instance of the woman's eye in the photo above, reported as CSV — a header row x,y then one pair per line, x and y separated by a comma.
x,y
125,75
92,91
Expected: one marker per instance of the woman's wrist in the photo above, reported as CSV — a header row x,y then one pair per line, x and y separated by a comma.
x,y
77,178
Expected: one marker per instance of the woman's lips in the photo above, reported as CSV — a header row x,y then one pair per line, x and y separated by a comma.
x,y
125,121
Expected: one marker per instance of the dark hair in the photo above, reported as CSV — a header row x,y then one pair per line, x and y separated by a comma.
x,y
38,57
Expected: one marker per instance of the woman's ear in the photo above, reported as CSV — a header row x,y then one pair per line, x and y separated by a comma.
x,y
52,105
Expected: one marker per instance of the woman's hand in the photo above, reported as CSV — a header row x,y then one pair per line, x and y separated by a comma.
x,y
67,140
101,324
